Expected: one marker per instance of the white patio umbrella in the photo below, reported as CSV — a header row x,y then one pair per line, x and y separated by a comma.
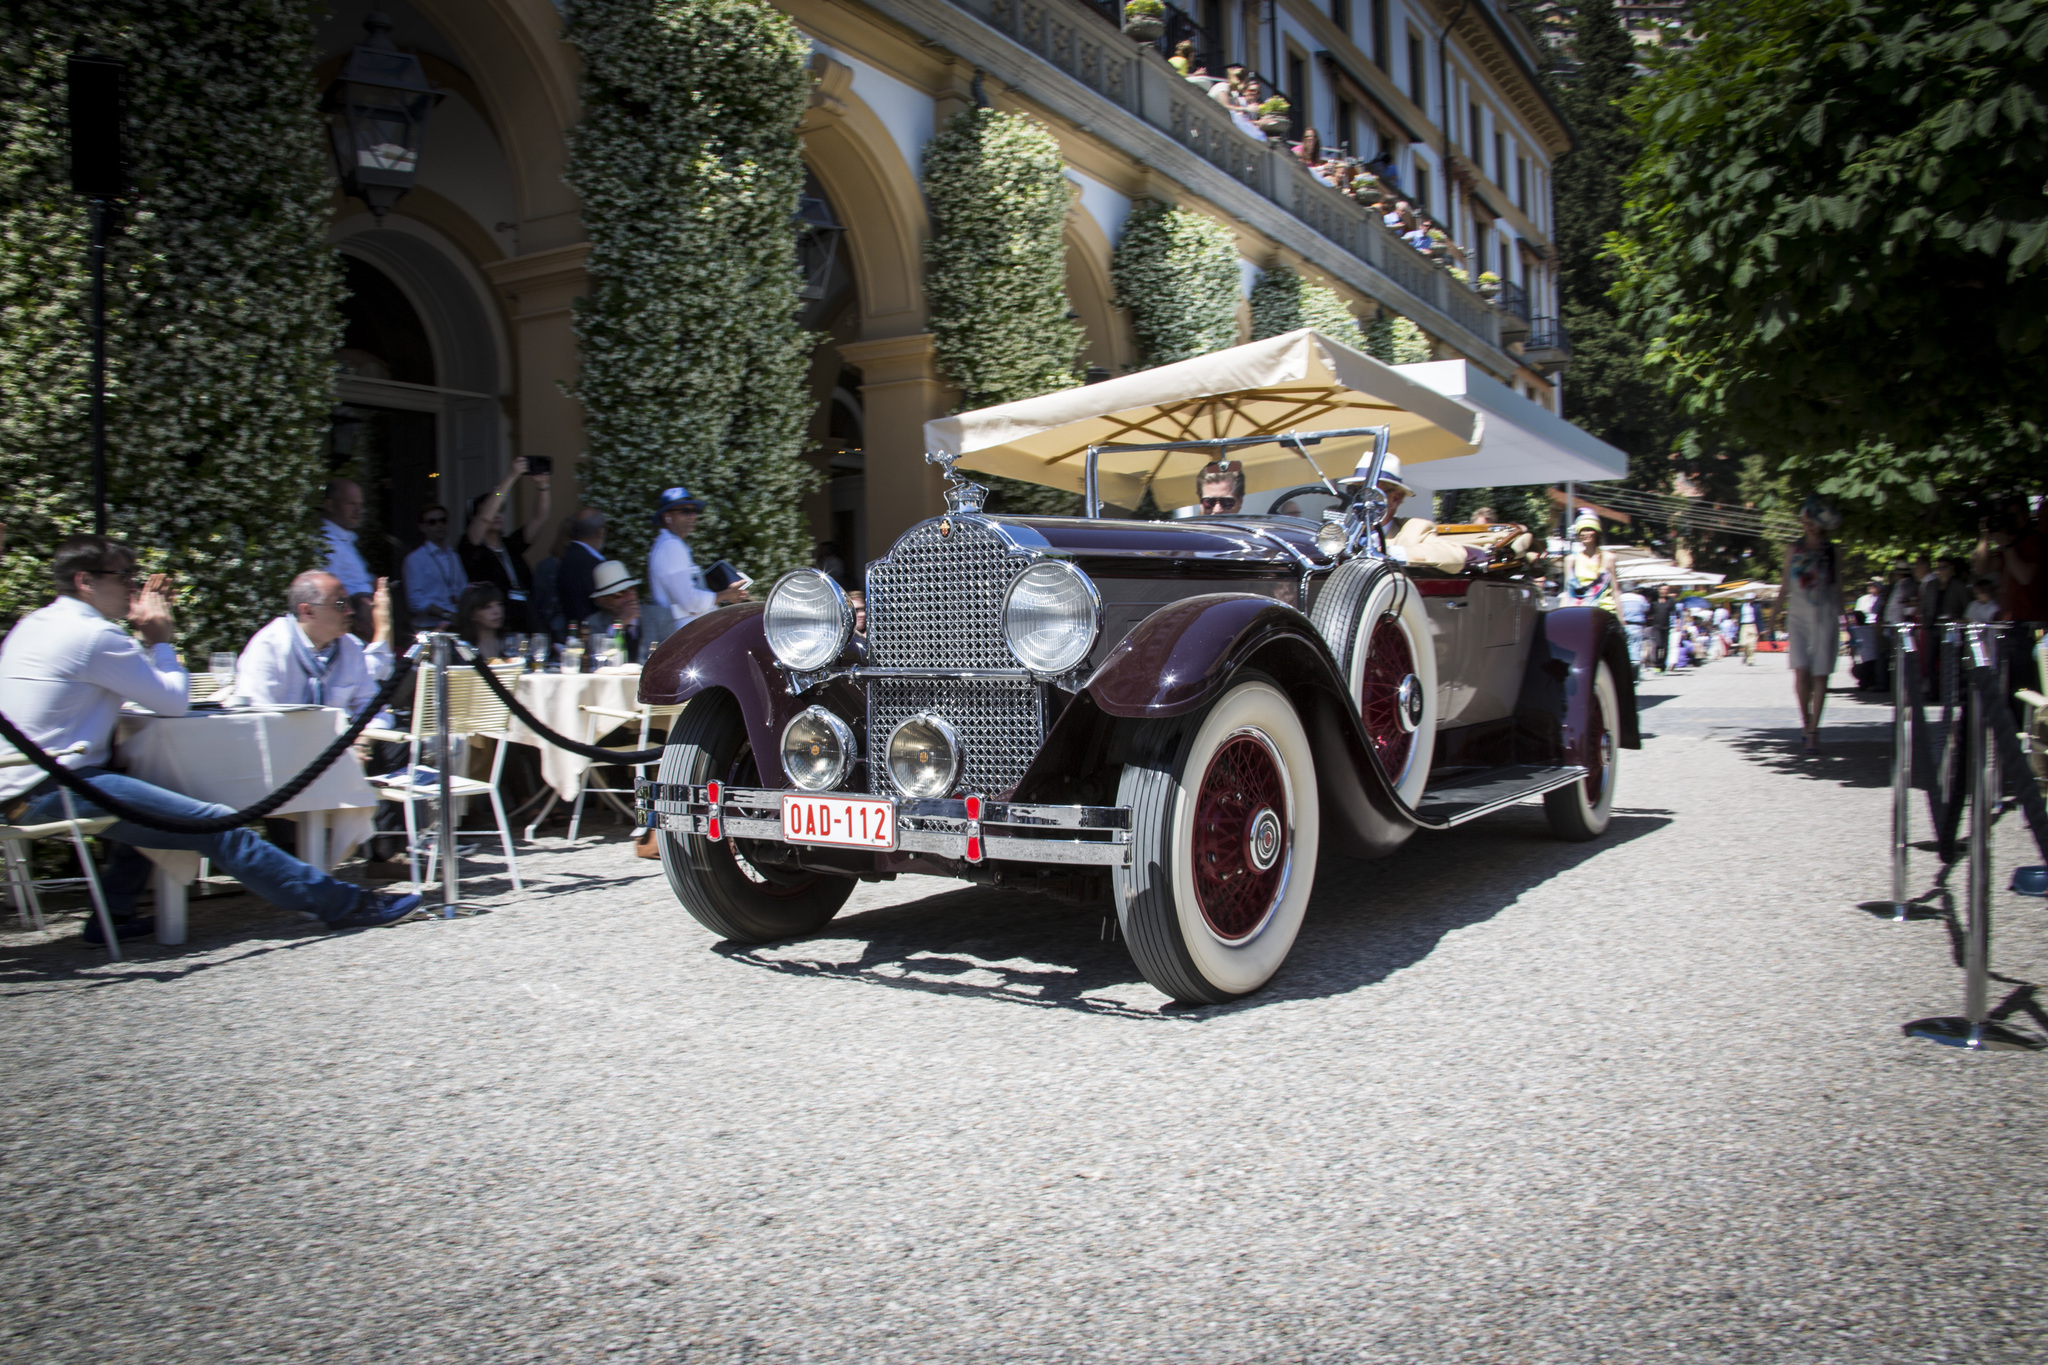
x,y
1300,381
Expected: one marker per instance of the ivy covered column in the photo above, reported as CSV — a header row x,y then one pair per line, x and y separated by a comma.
x,y
693,367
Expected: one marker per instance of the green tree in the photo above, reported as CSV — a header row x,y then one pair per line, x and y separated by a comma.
x,y
1285,299
694,368
1177,273
222,304
1610,391
1836,238
1395,340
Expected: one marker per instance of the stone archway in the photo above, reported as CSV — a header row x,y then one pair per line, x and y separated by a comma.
x,y
848,149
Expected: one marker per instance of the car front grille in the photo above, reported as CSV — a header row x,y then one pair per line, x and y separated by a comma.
x,y
1000,725
936,602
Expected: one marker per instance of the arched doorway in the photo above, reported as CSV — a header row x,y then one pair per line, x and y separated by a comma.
x,y
838,437
420,371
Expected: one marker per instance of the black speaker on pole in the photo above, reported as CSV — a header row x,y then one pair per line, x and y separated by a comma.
x,y
95,90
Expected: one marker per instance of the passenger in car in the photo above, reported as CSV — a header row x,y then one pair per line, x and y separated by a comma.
x,y
1221,487
1414,540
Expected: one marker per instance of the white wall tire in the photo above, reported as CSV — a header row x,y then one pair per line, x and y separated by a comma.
x,y
1373,620
1582,810
1224,842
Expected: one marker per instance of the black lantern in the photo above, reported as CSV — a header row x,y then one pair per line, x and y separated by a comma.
x,y
376,110
817,245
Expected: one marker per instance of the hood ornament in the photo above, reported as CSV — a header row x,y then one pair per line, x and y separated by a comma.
x,y
961,495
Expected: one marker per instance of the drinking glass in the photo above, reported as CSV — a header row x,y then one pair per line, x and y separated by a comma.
x,y
572,657
221,665
537,650
515,647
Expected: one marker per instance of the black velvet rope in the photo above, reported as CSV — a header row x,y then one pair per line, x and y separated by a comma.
x,y
627,758
215,824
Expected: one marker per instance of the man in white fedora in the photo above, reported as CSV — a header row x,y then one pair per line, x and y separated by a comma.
x,y
615,603
1413,540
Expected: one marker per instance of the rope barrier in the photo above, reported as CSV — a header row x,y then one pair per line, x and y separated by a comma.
x,y
216,824
627,758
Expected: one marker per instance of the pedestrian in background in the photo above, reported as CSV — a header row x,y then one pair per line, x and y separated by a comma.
x,y
1635,616
1748,627
433,574
1813,614
491,554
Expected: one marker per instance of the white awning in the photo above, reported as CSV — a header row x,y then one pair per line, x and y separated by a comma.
x,y
1521,442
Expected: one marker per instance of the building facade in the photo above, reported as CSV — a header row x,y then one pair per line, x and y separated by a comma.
x,y
460,352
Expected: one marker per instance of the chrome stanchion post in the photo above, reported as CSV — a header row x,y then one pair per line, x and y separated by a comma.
x,y
444,651
1975,1030
1899,909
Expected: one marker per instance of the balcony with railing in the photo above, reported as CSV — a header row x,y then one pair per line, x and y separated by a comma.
x,y
1084,39
1548,347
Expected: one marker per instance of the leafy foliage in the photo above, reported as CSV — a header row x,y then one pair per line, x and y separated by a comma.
x,y
1837,237
1395,340
221,304
995,271
694,368
1284,299
1177,273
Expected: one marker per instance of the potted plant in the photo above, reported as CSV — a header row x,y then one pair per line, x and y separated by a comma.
x,y
1273,118
1144,20
1489,284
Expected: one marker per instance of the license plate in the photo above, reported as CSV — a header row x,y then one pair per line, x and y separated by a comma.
x,y
845,821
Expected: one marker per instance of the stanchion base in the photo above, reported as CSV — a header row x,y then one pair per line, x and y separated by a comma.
x,y
1989,1036
1898,912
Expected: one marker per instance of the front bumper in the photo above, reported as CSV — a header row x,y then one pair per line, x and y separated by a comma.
x,y
972,829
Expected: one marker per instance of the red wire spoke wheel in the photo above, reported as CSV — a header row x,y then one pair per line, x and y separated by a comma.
x,y
1389,663
1240,843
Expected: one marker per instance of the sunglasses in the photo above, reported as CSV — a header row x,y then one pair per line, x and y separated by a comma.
x,y
433,521
1219,504
126,576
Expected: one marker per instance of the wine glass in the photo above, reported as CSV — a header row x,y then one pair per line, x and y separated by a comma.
x,y
537,650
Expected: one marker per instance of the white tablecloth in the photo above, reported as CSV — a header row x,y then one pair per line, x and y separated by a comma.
x,y
555,700
238,757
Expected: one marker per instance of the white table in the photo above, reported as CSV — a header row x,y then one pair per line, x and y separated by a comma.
x,y
557,699
236,758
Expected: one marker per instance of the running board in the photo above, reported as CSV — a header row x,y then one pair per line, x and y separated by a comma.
x,y
1486,792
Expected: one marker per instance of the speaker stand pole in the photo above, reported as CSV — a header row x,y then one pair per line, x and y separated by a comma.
x,y
99,365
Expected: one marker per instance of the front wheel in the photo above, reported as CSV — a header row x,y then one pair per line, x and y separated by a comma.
x,y
734,887
1223,856
1582,810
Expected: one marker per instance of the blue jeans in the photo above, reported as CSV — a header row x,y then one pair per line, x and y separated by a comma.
x,y
242,853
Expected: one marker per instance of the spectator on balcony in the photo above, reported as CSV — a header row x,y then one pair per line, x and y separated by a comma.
x,y
1401,217
1310,149
1183,59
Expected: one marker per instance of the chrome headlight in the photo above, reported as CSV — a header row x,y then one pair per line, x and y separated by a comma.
x,y
808,620
816,748
1331,539
924,756
1050,616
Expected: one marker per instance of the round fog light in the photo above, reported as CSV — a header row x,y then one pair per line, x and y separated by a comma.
x,y
924,756
816,748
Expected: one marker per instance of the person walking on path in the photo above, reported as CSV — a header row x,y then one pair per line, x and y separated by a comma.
x,y
1813,614
673,578
1589,575
1749,623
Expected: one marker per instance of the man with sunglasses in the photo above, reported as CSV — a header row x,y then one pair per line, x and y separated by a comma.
x,y
308,655
1220,486
434,576
65,671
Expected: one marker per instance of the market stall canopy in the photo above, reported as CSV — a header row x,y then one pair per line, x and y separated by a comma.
x,y
1299,381
1745,592
1524,442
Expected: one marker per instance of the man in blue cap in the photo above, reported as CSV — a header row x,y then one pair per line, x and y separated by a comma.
x,y
673,578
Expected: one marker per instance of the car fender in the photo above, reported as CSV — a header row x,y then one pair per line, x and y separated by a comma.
x,y
1554,708
728,650
1183,656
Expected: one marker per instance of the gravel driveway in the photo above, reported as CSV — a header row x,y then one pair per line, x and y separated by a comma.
x,y
1511,1101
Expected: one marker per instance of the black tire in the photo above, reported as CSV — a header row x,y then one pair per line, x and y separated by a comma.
x,y
725,892
1194,951
1581,811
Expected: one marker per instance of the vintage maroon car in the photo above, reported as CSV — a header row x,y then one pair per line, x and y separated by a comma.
x,y
1184,715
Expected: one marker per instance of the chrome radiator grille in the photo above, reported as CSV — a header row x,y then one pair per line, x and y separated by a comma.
x,y
935,602
1000,724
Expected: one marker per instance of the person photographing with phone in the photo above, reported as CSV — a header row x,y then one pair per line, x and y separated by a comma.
x,y
491,554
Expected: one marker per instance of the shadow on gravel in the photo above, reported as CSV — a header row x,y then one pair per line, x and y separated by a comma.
x,y
1846,762
1366,921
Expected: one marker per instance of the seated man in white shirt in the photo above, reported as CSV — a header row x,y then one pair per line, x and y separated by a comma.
x,y
308,655
65,669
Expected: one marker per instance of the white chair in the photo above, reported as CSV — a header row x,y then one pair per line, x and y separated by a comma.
x,y
474,712
602,720
21,881
208,686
